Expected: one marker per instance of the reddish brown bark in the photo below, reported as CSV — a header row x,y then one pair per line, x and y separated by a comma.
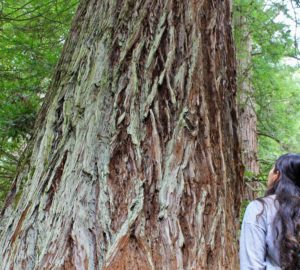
x,y
246,104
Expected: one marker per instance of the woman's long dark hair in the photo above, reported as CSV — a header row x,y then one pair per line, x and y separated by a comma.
x,y
287,219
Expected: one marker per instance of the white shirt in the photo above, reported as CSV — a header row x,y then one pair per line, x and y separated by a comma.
x,y
258,251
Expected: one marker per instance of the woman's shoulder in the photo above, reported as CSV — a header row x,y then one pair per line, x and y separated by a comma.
x,y
258,211
263,203
254,208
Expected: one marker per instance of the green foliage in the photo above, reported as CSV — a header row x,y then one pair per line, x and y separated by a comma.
x,y
270,40
278,111
32,34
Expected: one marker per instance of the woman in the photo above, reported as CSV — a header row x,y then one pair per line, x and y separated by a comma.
x,y
270,233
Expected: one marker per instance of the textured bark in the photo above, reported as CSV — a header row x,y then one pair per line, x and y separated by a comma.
x,y
135,163
246,102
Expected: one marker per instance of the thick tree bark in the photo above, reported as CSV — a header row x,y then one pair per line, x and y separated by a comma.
x,y
135,163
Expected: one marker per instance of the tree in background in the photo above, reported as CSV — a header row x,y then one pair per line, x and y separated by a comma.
x,y
134,162
268,91
246,102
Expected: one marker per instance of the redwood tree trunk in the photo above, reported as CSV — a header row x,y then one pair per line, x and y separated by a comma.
x,y
135,162
246,104
248,119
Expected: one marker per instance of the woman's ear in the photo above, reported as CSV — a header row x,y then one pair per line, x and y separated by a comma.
x,y
276,175
273,177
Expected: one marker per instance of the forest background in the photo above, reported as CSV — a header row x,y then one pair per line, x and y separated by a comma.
x,y
32,36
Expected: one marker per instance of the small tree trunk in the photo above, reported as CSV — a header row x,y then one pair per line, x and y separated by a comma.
x,y
247,114
246,104
135,162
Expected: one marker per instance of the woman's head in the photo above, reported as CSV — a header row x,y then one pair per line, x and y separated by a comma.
x,y
284,177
